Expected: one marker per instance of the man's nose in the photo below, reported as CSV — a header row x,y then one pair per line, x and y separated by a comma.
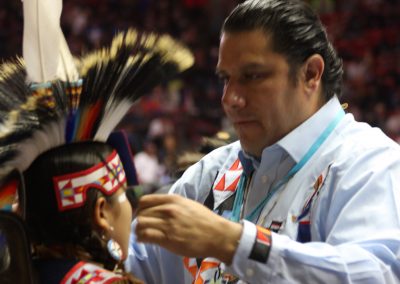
x,y
233,95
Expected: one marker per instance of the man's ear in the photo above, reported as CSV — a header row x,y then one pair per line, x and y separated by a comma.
x,y
313,69
102,214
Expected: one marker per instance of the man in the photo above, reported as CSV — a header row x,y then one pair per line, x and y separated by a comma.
x,y
317,192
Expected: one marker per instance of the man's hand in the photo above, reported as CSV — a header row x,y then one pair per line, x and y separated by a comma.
x,y
186,227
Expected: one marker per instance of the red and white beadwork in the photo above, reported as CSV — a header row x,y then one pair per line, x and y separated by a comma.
x,y
70,189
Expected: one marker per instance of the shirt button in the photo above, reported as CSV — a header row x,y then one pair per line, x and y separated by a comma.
x,y
264,179
249,272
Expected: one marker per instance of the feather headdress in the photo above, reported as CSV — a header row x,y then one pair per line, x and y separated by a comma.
x,y
46,100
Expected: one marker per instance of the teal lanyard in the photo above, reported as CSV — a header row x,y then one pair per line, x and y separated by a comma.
x,y
238,203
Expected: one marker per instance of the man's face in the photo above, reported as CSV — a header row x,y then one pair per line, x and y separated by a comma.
x,y
259,97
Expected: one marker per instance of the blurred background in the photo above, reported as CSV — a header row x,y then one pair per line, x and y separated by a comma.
x,y
174,118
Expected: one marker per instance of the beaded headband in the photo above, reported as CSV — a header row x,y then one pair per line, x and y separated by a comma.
x,y
108,177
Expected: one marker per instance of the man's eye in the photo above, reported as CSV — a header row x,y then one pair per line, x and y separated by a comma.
x,y
254,76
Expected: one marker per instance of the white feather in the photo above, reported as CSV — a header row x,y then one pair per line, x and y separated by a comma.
x,y
45,51
67,70
113,114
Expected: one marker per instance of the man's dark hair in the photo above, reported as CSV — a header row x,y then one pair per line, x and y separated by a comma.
x,y
296,32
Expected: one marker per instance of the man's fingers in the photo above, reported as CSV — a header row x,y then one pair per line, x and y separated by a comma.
x,y
151,235
143,222
152,200
150,229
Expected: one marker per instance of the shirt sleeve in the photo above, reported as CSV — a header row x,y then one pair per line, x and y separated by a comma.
x,y
355,232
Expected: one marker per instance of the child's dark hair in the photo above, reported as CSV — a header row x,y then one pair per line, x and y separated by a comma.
x,y
71,228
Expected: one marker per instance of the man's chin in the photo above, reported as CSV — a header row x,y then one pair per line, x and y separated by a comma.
x,y
251,150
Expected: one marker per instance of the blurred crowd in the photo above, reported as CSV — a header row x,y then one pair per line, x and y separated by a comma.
x,y
175,116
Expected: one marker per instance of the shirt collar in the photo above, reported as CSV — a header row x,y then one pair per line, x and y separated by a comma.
x,y
248,162
309,130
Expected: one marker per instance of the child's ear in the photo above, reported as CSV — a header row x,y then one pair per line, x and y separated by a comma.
x,y
102,214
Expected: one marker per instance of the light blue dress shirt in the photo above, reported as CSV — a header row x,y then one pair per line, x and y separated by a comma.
x,y
352,187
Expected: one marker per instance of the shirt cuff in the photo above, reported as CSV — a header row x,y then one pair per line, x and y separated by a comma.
x,y
251,253
247,239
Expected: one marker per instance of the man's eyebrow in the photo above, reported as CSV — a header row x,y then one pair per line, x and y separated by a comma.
x,y
246,67
253,65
